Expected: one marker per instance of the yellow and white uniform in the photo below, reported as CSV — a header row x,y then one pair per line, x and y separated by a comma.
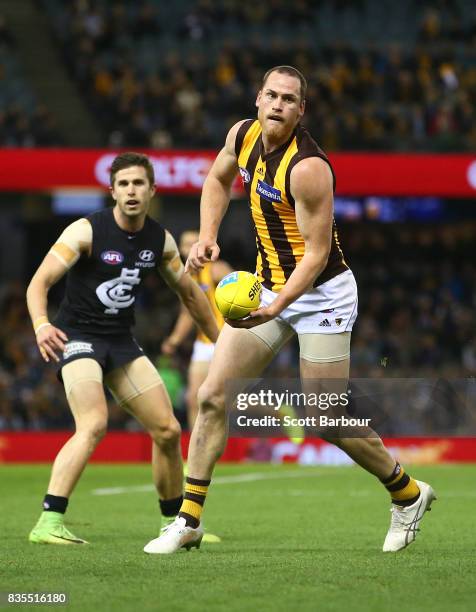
x,y
203,347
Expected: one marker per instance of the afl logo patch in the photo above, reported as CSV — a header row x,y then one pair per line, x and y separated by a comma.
x,y
112,258
147,255
245,175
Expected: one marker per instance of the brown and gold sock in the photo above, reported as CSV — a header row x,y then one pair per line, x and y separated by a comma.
x,y
403,488
193,500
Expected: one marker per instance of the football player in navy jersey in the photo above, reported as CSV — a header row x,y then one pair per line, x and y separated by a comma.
x,y
106,257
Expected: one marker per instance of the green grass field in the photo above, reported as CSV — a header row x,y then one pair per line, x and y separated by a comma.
x,y
294,538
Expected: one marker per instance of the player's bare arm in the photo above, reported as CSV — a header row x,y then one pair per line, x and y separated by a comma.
x,y
192,297
73,242
182,328
312,189
185,323
214,203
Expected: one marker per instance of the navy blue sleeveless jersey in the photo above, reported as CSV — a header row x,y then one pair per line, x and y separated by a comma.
x,y
101,289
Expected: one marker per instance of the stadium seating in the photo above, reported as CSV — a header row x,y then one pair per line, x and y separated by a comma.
x,y
382,75
24,122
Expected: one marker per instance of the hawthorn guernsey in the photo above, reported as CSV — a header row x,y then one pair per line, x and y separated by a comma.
x,y
238,294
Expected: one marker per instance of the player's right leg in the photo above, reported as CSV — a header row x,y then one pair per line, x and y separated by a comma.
x,y
239,353
85,394
138,388
197,374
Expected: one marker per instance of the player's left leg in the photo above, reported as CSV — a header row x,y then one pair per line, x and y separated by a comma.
x,y
410,498
138,388
368,452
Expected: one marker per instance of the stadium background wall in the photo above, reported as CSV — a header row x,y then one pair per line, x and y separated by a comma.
x,y
183,171
121,447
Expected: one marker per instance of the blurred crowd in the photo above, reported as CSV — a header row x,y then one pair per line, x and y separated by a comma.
x,y
24,128
180,76
182,79
23,122
417,299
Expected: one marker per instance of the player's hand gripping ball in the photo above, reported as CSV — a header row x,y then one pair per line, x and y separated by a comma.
x,y
238,294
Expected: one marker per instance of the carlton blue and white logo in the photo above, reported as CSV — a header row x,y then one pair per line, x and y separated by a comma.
x,y
116,293
267,192
77,347
113,258
147,255
245,175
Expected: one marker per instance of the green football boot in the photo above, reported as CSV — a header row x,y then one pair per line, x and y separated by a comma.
x,y
50,529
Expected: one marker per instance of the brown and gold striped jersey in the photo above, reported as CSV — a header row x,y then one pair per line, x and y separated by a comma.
x,y
266,179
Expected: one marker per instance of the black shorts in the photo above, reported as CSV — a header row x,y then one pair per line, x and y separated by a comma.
x,y
110,351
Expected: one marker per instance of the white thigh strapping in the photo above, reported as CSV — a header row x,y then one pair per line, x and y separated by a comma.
x,y
324,348
274,333
81,371
132,379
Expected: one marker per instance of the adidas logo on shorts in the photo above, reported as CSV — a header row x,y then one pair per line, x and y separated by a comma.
x,y
324,323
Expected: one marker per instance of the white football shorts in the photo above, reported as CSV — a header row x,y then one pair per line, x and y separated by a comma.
x,y
322,318
202,351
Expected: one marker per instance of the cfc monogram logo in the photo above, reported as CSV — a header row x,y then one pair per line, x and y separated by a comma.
x,y
116,293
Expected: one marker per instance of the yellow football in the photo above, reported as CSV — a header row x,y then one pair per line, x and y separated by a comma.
x,y
238,294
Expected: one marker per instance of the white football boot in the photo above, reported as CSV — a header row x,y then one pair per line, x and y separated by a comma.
x,y
406,520
175,536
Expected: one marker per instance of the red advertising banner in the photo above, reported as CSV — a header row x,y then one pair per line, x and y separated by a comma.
x,y
358,174
46,169
121,447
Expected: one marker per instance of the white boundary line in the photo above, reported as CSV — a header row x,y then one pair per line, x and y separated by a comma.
x,y
251,477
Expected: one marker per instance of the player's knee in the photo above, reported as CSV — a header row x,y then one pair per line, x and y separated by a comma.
x,y
167,436
93,430
211,399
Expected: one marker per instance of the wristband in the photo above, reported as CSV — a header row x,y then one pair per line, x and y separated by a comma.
x,y
39,323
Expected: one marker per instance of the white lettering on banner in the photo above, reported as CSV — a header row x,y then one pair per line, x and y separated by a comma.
x,y
102,167
198,171
115,293
180,171
173,172
307,454
471,174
